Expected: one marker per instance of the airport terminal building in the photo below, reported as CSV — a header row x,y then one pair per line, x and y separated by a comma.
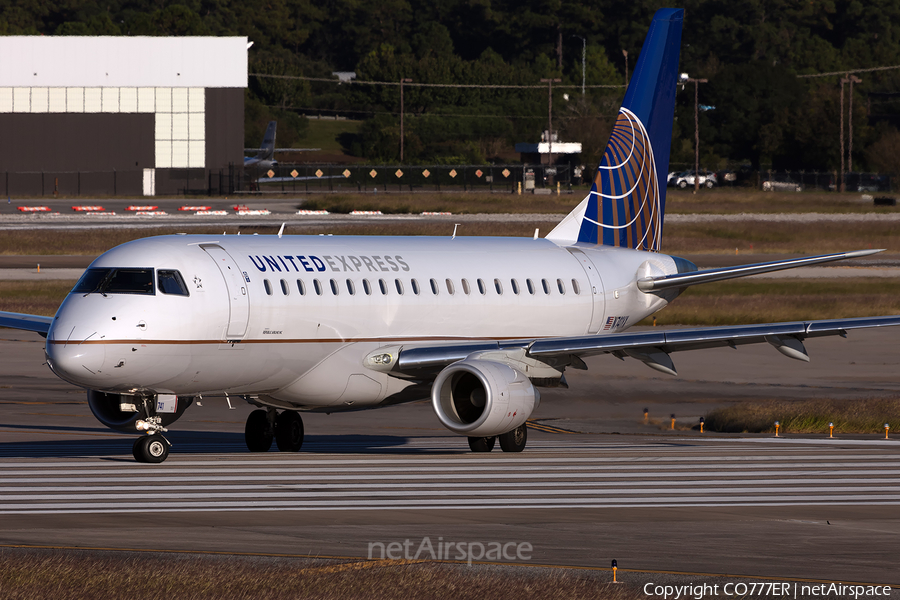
x,y
120,115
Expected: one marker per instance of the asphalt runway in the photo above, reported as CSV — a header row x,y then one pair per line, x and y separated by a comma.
x,y
595,482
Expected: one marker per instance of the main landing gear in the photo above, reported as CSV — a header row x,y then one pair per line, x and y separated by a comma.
x,y
511,441
264,425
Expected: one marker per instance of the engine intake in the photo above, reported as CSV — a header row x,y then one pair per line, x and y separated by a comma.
x,y
481,398
120,411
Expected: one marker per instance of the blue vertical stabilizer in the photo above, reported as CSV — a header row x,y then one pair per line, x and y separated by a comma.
x,y
628,198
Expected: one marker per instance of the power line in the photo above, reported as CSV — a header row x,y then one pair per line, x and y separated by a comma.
x,y
436,85
845,73
313,109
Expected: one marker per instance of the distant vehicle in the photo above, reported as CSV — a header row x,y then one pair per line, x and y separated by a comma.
x,y
684,179
265,157
781,182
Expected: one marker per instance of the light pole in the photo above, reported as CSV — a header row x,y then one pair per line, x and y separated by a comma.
x,y
583,62
625,54
550,83
685,79
402,81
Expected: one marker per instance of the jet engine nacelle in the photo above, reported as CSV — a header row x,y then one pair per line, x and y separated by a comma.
x,y
481,398
121,411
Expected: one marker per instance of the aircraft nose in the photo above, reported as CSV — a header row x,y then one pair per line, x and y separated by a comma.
x,y
77,362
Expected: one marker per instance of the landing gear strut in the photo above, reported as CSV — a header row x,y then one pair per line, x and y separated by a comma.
x,y
265,425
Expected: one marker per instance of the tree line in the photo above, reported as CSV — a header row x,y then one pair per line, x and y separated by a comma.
x,y
754,109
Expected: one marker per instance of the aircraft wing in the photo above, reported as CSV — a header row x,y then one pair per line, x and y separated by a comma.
x,y
651,347
36,323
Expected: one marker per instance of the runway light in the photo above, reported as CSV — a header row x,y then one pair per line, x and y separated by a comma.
x,y
646,416
673,422
831,430
701,424
614,567
887,427
776,428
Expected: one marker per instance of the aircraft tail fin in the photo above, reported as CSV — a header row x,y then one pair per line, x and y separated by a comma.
x,y
267,150
628,197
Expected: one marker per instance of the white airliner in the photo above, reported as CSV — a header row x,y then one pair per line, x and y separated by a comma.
x,y
316,323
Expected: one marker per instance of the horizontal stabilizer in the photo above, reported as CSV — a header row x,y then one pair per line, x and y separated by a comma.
x,y
681,280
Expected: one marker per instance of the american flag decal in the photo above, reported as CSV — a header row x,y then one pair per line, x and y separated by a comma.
x,y
614,323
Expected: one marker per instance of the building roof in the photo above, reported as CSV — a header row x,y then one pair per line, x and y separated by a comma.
x,y
113,61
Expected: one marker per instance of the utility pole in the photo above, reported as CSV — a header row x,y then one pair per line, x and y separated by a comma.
x,y
402,81
550,83
851,79
685,79
625,54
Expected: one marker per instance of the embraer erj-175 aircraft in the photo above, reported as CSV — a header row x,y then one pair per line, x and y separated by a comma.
x,y
315,323
265,157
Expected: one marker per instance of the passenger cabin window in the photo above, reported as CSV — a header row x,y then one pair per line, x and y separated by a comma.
x,y
170,282
561,286
301,288
575,287
515,286
318,287
284,287
268,287
382,286
434,287
498,286
399,285
466,289
415,286
449,283
366,287
546,286
350,287
334,287
530,286
481,287
116,281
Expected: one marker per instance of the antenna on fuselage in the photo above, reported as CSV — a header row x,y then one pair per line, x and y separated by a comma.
x,y
536,233
280,231
453,237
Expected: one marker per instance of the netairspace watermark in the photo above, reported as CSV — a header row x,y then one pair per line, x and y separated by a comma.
x,y
798,591
441,550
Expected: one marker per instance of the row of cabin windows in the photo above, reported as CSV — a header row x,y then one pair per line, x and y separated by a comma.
x,y
384,287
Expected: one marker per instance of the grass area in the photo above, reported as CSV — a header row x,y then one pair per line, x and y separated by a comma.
x,y
772,300
807,416
76,576
750,200
33,297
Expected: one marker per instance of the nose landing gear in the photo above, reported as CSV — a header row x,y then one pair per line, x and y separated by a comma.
x,y
153,447
264,425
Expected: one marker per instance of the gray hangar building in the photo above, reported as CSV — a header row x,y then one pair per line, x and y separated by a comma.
x,y
120,115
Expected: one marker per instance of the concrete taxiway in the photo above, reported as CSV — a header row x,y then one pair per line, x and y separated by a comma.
x,y
580,495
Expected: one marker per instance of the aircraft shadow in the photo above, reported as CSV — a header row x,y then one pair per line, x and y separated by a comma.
x,y
208,442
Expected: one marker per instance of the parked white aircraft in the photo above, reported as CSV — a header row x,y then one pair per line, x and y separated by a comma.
x,y
315,323
265,156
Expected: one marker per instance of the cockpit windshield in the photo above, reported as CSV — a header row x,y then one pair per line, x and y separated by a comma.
x,y
116,281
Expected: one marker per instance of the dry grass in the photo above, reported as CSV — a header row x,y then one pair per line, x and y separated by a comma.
x,y
33,297
749,200
766,301
52,576
807,416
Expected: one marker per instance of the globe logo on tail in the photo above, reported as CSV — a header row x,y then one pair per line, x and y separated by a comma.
x,y
626,189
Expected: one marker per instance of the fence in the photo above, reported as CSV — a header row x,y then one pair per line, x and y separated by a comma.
x,y
332,178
